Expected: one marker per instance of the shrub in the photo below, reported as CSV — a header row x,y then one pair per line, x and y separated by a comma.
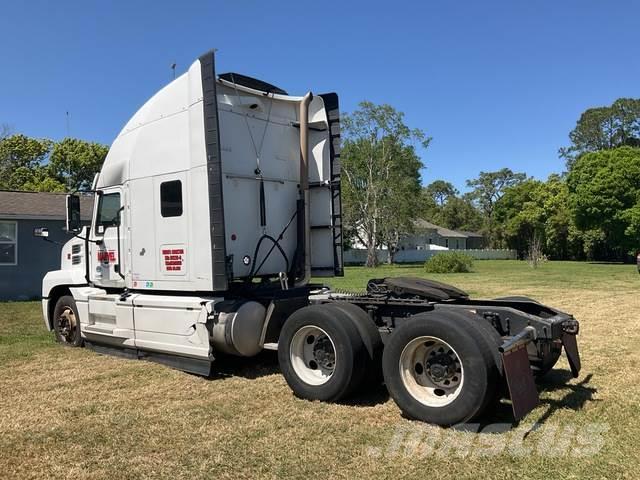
x,y
449,262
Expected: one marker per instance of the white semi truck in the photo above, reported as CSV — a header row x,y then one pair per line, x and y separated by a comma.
x,y
217,203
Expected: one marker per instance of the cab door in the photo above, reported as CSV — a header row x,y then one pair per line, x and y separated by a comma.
x,y
108,242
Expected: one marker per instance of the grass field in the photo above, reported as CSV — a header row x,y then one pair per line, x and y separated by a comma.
x,y
71,413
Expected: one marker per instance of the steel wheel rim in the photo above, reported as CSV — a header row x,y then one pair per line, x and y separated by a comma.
x,y
67,325
431,371
313,355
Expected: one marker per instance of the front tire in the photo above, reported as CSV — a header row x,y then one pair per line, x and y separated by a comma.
x,y
436,371
66,322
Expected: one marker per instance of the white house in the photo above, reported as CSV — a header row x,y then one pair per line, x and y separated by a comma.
x,y
429,236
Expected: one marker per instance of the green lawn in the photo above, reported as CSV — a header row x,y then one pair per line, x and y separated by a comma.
x,y
71,413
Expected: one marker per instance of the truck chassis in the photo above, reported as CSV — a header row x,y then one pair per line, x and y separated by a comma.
x,y
444,358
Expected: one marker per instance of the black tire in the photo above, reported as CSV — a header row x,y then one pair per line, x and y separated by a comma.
x,y
458,332
370,337
66,322
541,367
491,341
350,353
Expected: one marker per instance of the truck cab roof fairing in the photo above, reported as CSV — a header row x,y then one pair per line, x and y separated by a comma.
x,y
163,135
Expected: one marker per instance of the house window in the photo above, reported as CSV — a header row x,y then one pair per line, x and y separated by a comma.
x,y
457,244
446,242
171,198
108,211
8,243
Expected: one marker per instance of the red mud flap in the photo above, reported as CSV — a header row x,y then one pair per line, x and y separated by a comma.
x,y
522,388
571,349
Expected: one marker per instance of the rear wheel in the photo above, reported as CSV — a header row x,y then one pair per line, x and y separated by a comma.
x,y
66,322
321,354
370,337
435,369
489,340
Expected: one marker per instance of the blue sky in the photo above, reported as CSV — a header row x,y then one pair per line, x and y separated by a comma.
x,y
495,83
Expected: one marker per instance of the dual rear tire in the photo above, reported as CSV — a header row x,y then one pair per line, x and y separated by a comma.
x,y
441,367
330,351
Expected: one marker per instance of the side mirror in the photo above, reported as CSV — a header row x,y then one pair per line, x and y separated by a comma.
x,y
73,213
41,232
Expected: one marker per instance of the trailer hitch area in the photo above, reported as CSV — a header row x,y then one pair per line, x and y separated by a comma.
x,y
570,330
517,370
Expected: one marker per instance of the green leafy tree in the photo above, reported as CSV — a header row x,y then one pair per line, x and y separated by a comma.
x,y
381,176
459,213
75,162
535,212
604,192
41,165
22,160
440,191
486,191
521,214
604,128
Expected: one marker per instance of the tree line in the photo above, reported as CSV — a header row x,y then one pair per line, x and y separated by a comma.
x,y
590,211
43,165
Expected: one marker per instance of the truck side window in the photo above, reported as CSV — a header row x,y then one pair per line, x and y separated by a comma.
x,y
108,208
171,198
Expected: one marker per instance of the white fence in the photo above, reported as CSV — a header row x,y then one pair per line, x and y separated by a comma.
x,y
359,256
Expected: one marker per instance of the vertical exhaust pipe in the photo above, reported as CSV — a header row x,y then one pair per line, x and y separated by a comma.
x,y
304,186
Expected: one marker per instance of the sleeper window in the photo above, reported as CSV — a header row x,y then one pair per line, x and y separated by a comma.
x,y
171,198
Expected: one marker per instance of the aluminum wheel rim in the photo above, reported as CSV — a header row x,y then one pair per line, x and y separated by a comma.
x,y
313,355
431,371
67,325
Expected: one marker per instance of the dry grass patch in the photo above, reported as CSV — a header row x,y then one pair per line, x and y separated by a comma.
x,y
71,413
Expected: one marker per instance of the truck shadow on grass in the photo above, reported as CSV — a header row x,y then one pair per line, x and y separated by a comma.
x,y
262,365
266,363
577,396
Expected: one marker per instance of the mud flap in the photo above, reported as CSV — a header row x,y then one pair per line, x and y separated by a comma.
x,y
522,388
571,349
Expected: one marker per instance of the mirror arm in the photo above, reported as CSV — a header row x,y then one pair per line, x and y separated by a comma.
x,y
97,242
48,240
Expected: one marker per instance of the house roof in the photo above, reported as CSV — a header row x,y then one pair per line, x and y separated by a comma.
x,y
471,234
40,205
422,224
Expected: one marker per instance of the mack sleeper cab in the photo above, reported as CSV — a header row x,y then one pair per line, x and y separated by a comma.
x,y
217,203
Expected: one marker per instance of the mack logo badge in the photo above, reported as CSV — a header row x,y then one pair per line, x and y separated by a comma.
x,y
107,256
